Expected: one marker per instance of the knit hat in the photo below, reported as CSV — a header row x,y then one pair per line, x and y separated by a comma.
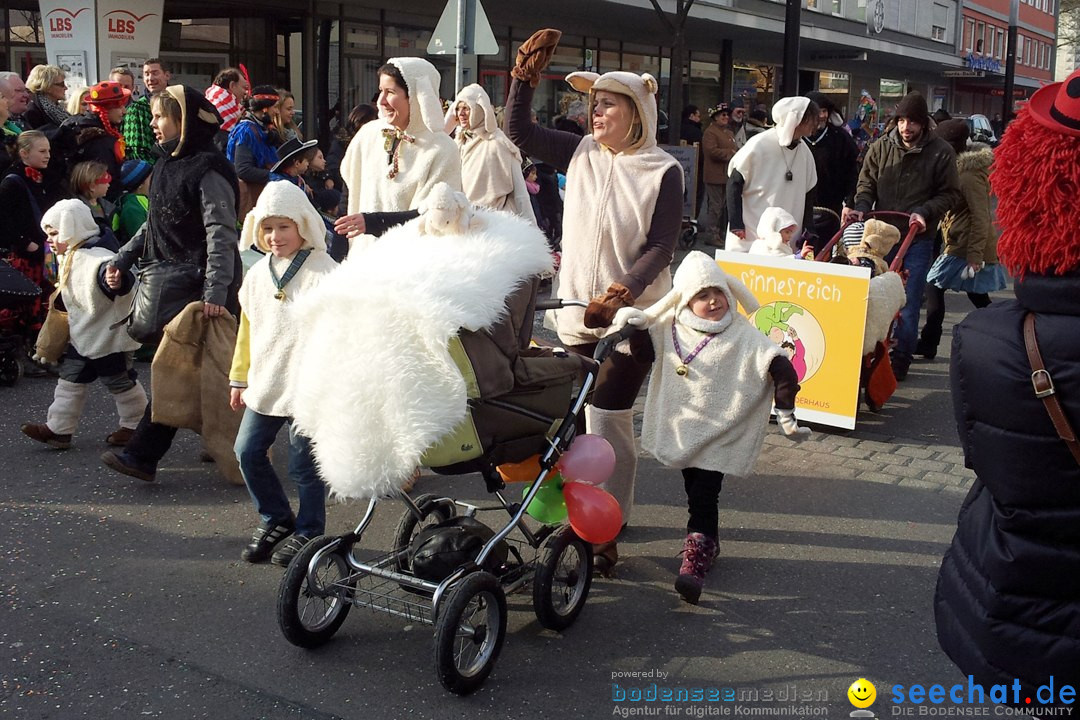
x,y
133,172
290,149
699,271
108,94
879,237
73,219
787,114
913,107
825,102
326,199
955,132
1035,172
263,97
641,89
737,103
422,82
283,199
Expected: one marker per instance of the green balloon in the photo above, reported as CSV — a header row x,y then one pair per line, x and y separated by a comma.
x,y
549,506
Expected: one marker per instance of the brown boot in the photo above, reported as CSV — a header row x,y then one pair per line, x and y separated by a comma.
x,y
119,437
42,433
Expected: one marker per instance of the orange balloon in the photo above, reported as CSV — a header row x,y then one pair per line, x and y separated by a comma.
x,y
593,513
524,471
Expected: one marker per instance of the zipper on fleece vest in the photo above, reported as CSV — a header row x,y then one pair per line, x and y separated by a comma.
x,y
601,217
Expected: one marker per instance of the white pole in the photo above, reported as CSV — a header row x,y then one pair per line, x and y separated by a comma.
x,y
459,49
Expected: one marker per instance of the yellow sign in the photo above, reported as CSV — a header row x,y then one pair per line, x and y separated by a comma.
x,y
816,311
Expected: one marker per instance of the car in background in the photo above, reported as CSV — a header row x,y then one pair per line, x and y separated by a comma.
x,y
981,129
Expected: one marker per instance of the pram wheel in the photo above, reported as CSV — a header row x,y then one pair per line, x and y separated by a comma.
x,y
10,369
310,614
432,512
562,581
469,632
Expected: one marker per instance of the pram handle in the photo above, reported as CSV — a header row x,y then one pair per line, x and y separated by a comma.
x,y
607,344
824,255
559,304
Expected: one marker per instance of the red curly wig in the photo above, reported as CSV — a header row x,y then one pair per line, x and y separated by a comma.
x,y
1036,178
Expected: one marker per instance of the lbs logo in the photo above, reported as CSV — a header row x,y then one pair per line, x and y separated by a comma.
x,y
124,22
60,20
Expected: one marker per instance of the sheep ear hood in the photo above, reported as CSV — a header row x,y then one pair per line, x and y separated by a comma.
x,y
283,199
787,113
773,220
641,89
73,219
481,111
699,271
422,81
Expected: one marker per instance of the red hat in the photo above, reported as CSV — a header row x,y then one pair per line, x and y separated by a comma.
x,y
1057,106
108,94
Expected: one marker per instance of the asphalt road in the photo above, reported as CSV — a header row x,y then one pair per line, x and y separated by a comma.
x,y
128,600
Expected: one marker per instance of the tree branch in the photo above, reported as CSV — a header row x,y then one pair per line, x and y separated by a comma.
x,y
663,17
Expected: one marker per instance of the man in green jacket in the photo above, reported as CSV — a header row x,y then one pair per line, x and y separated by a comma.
x,y
911,170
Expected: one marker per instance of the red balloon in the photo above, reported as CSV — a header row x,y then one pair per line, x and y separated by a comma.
x,y
594,514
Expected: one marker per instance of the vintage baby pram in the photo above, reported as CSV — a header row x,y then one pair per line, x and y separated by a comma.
x,y
522,403
16,290
877,382
468,606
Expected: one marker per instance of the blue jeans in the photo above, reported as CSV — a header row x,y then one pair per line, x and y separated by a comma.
x,y
917,262
253,440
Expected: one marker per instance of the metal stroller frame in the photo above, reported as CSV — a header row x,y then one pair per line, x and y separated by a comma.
x,y
468,608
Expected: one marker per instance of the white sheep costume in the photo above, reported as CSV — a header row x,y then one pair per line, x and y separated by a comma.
x,y
490,164
430,158
714,417
382,323
764,162
769,241
610,200
267,327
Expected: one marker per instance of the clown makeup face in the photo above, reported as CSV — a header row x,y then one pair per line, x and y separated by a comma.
x,y
709,304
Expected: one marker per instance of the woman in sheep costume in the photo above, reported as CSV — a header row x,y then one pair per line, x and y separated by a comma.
x,y
621,221
392,163
710,394
490,164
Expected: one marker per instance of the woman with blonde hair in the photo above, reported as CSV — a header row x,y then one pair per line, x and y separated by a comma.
x,y
76,104
48,89
281,116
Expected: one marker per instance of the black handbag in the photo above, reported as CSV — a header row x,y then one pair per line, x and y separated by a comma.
x,y
165,289
440,549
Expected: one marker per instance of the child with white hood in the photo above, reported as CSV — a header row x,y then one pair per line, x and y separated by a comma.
x,y
774,168
775,233
99,347
710,393
286,227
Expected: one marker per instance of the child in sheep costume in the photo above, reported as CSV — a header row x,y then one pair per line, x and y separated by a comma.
x,y
710,392
775,224
391,169
490,164
285,226
99,348
395,390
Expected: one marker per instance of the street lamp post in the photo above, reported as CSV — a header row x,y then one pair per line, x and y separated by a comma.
x,y
1010,63
790,85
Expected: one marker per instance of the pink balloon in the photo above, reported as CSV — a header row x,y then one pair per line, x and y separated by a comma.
x,y
589,459
594,514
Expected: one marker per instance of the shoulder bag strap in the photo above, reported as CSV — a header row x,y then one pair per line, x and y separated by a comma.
x,y
1044,388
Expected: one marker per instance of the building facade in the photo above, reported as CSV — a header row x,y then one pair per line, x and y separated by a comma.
x,y
327,52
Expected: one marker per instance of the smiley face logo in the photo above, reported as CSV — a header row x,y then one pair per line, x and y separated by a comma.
x,y
861,693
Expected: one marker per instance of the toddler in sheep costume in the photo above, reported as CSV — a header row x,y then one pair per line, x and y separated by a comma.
x,y
711,389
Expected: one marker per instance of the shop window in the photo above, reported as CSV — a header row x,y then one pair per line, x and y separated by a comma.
x,y
25,28
889,94
836,86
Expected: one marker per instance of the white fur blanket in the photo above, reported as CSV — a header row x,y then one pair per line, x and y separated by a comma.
x,y
375,385
885,300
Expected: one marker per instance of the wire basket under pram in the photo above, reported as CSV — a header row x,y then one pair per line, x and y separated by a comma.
x,y
467,607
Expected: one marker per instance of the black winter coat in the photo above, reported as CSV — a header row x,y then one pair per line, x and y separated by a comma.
x,y
1008,596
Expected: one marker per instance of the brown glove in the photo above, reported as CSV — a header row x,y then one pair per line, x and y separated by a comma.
x,y
534,55
601,310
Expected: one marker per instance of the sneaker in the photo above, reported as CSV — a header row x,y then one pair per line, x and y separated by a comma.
x,y
699,551
42,433
284,554
265,539
119,437
126,465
